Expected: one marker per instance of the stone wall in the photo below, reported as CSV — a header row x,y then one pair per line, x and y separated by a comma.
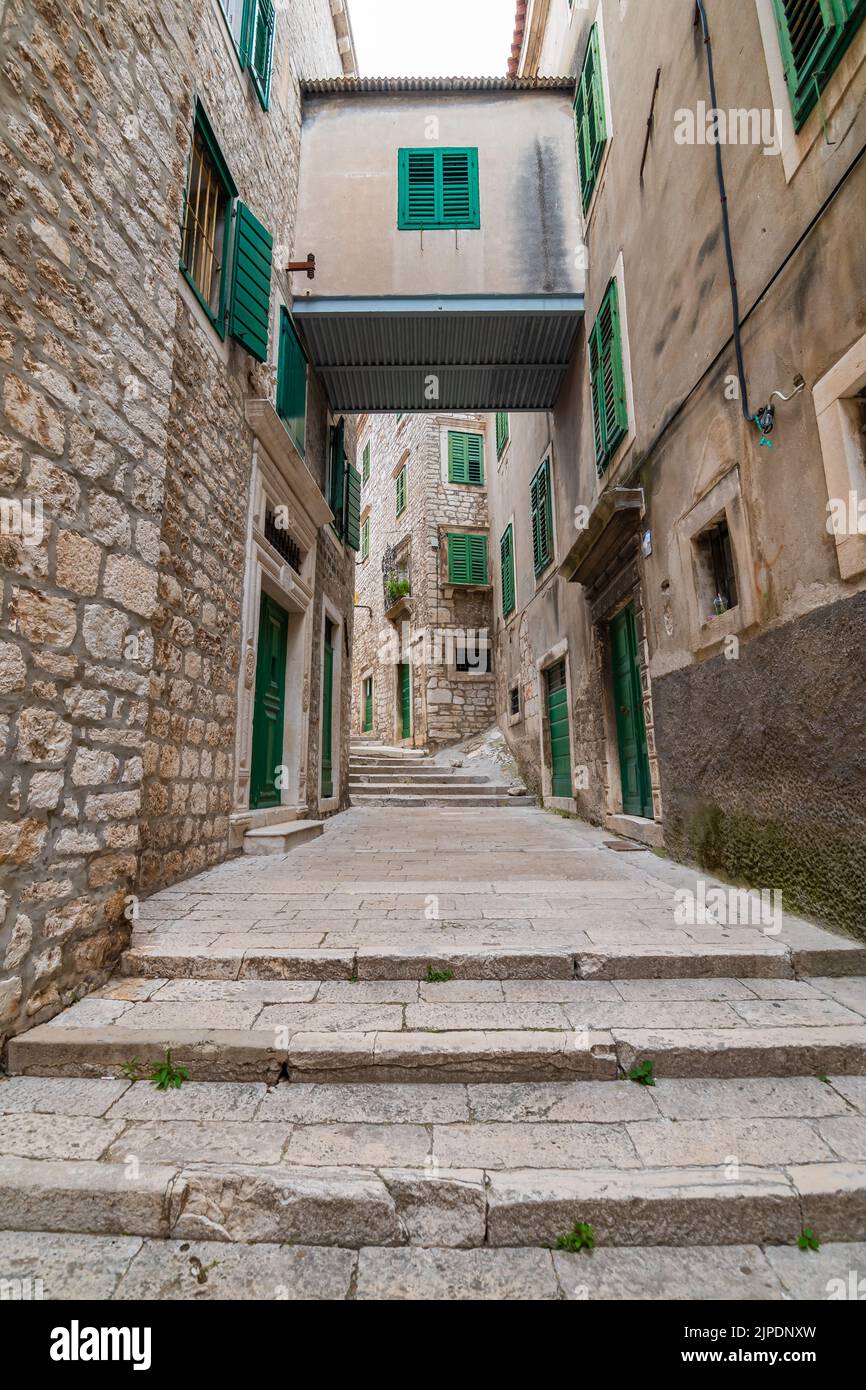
x,y
447,704
122,438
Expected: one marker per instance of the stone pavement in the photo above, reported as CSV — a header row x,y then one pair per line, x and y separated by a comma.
x,y
408,1044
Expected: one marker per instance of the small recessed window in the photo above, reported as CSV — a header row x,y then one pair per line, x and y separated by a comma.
x,y
717,579
472,657
514,699
207,209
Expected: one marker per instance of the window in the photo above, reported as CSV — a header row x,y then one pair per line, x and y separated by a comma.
x,y
437,188
542,518
506,558
365,463
206,221
291,381
472,656
261,47
467,558
344,489
589,119
514,700
465,458
235,15
365,538
717,580
813,36
609,408
401,490
501,432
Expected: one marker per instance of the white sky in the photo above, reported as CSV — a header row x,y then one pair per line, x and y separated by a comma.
x,y
432,38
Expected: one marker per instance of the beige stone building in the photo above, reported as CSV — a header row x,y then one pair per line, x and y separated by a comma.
x,y
178,507
694,585
422,671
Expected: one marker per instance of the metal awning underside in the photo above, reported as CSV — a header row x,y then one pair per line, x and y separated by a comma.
x,y
383,354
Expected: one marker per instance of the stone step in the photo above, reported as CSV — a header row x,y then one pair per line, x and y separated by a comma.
x,y
439,798
281,837
72,1267
354,1207
444,787
419,778
320,1044
473,956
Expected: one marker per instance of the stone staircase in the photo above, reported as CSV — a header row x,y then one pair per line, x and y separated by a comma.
x,y
382,1104
394,776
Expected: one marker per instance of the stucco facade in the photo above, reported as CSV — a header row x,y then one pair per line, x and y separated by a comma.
x,y
431,625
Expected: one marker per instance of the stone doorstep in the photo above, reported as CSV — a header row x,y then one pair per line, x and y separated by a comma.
x,y
469,1208
442,1057
73,1266
281,838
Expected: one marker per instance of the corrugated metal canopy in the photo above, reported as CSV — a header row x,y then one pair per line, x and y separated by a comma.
x,y
440,354
360,85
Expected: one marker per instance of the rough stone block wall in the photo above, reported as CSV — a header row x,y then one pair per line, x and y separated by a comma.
x,y
763,763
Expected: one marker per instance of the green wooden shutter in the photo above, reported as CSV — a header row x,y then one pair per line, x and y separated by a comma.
x,y
437,188
502,431
477,559
365,463
467,558
813,36
542,518
401,490
365,538
506,559
353,508
336,500
465,457
589,118
249,308
609,405
262,48
291,381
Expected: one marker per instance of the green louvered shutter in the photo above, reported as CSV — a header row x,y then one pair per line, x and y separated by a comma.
x,y
365,538
813,36
401,490
336,500
353,508
506,559
502,431
542,518
262,48
589,118
249,308
477,559
437,188
467,558
609,406
365,463
291,381
465,457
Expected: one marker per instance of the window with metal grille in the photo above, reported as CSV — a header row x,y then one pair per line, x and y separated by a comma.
x,y
589,118
717,578
437,188
472,656
467,558
210,191
282,541
541,512
465,458
813,36
514,700
609,407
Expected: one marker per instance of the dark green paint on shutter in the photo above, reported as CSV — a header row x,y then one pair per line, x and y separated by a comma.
x,y
589,118
437,188
630,728
557,720
251,283
291,381
368,704
405,699
269,704
262,25
353,508
465,458
506,560
609,407
467,558
327,771
541,511
813,37
502,431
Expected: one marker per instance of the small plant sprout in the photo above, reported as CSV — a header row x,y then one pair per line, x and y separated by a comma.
x,y
131,1069
808,1240
167,1077
826,1080
643,1073
580,1237
438,977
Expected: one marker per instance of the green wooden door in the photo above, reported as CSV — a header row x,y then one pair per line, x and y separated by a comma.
x,y
328,710
269,704
630,729
405,699
557,718
368,704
